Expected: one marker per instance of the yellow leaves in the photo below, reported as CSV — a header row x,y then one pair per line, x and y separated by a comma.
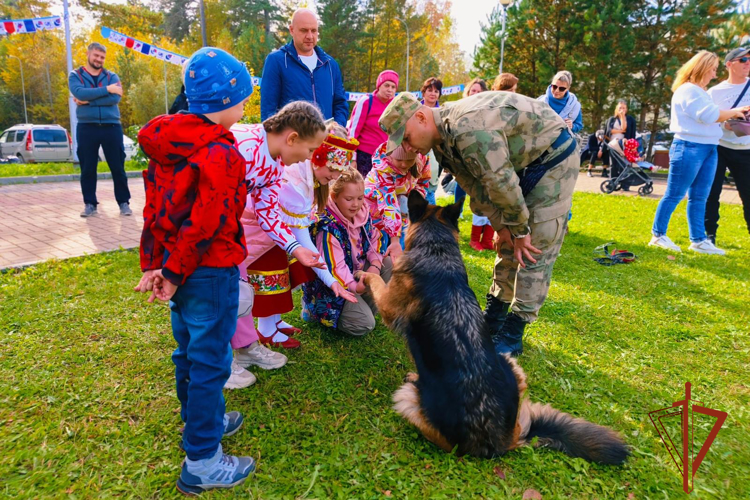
x,y
252,107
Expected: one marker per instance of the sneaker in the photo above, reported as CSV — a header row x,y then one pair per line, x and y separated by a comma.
x,y
89,210
589,173
125,209
232,422
219,471
706,247
239,378
664,242
605,172
259,355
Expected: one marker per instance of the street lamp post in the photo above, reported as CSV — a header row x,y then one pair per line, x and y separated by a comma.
x,y
23,90
504,4
202,7
407,51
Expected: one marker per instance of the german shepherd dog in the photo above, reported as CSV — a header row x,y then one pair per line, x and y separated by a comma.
x,y
464,395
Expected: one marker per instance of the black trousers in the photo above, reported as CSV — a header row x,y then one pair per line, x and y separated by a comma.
x,y
738,163
109,137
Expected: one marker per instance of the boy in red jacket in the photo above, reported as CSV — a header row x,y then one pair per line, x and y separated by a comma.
x,y
191,245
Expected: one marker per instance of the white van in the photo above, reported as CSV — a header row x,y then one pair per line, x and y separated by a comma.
x,y
36,143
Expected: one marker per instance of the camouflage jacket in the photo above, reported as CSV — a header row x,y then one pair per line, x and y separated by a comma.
x,y
486,139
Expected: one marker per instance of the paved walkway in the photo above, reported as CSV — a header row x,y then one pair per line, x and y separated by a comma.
x,y
591,184
41,221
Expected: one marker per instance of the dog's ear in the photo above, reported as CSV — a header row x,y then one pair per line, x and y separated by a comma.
x,y
451,213
417,206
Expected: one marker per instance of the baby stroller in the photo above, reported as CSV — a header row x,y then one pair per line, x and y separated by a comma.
x,y
622,156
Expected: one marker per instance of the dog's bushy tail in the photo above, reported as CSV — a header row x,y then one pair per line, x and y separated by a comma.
x,y
573,436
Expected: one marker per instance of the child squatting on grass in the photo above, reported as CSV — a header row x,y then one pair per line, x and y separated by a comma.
x,y
276,263
190,248
281,205
347,239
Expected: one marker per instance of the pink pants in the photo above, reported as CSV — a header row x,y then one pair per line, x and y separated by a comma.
x,y
245,333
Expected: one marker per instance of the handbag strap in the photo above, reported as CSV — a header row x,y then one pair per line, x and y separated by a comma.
x,y
741,95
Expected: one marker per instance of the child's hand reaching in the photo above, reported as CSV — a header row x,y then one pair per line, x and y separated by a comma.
x,y
342,292
308,258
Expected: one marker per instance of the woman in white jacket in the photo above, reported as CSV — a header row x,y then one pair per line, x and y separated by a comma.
x,y
695,122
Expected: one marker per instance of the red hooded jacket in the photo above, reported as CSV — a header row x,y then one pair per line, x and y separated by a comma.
x,y
195,195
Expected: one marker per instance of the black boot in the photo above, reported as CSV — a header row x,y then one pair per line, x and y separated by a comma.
x,y
494,314
510,340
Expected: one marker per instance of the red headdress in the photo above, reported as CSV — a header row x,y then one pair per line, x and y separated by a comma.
x,y
335,152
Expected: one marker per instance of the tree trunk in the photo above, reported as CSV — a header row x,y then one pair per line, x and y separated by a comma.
x,y
267,25
372,50
49,90
654,126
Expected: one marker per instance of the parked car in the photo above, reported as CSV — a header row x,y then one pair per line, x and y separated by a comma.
x,y
36,143
660,152
131,148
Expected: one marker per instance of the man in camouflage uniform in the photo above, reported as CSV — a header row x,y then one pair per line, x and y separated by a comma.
x,y
516,159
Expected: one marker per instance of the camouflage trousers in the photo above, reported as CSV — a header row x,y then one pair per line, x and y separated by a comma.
x,y
549,204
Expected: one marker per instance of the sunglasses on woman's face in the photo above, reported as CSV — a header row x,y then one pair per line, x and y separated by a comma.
x,y
560,89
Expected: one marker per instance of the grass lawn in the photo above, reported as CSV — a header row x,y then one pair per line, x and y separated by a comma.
x,y
88,407
57,168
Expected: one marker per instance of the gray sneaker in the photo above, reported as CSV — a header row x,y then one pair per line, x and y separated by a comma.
x,y
259,355
125,209
219,471
89,210
239,378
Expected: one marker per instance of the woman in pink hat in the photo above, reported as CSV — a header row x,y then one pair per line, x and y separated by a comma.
x,y
363,125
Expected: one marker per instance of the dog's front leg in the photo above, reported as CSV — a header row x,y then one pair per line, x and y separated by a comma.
x,y
377,287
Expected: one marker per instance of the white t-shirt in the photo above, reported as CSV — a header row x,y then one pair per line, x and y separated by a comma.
x,y
310,61
694,115
724,94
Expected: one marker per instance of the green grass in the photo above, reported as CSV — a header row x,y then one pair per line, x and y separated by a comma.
x,y
88,408
36,169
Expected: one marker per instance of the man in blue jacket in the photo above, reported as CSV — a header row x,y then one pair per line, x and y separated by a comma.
x,y
301,71
97,93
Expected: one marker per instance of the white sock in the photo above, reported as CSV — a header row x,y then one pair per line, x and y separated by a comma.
x,y
283,324
267,327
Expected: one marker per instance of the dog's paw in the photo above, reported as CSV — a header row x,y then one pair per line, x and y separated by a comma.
x,y
411,377
363,277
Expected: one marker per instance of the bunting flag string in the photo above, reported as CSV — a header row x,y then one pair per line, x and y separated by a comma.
x,y
165,55
142,47
10,26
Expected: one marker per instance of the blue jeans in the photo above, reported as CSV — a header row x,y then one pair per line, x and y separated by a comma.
x,y
430,196
691,170
204,318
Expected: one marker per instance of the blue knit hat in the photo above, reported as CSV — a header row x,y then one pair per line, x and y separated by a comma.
x,y
215,80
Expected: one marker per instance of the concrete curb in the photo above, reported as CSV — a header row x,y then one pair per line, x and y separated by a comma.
x,y
7,181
